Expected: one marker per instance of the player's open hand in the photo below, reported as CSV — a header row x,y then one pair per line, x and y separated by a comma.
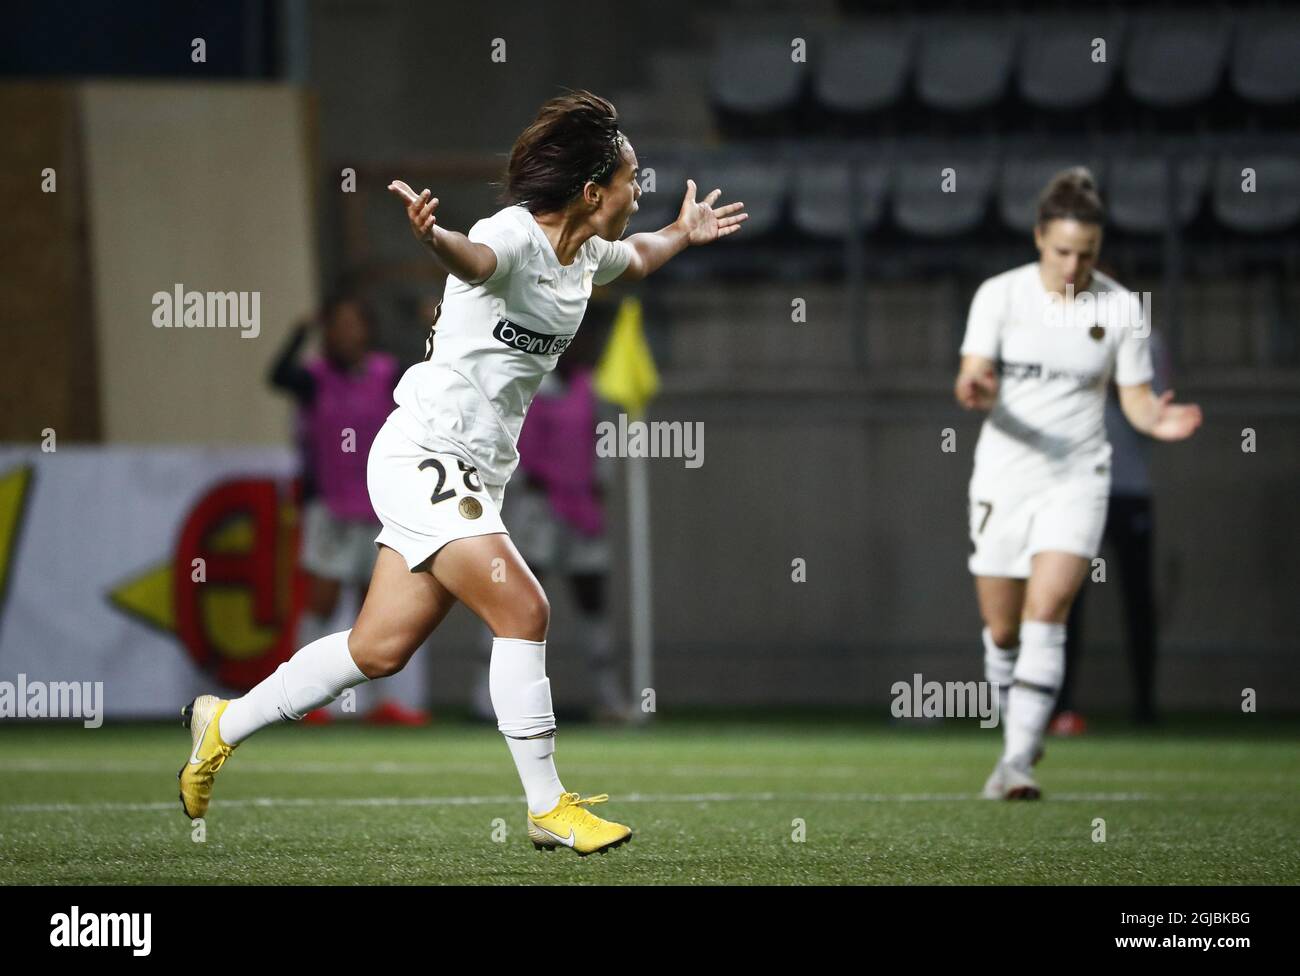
x,y
1175,421
702,223
419,210
977,390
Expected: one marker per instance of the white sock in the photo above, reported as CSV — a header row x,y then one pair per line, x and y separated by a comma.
x,y
1038,674
521,697
312,627
999,663
313,677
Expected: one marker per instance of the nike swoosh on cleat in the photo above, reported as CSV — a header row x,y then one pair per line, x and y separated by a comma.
x,y
194,755
566,841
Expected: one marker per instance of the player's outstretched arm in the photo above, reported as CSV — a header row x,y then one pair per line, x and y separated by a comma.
x,y
468,260
1158,416
977,383
697,223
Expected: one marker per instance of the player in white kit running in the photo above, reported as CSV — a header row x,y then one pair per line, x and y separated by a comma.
x,y
1042,343
516,291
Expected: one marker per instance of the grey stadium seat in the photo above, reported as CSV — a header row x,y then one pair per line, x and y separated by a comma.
x,y
863,68
1171,62
1275,204
821,196
964,63
1137,191
1022,180
1056,61
1266,59
922,208
761,185
753,75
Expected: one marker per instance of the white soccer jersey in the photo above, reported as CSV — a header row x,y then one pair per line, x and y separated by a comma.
x,y
1054,360
494,342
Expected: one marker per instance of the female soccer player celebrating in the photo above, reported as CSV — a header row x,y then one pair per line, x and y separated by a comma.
x,y
1042,341
517,287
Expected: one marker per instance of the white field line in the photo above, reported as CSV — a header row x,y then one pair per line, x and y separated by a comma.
x,y
465,801
110,766
424,768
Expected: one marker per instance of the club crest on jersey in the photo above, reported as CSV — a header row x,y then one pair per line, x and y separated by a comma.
x,y
470,507
517,337
1097,332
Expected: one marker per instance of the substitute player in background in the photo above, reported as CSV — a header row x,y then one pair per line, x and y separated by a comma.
x,y
344,395
1042,343
517,288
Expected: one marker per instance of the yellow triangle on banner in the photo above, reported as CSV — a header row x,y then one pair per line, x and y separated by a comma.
x,y
149,597
13,497
626,373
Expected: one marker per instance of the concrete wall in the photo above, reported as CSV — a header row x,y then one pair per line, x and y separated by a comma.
x,y
206,186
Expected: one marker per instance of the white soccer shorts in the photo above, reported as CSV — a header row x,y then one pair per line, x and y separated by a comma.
x,y
425,499
1009,526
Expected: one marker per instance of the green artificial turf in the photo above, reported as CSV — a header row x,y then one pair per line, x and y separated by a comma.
x,y
711,800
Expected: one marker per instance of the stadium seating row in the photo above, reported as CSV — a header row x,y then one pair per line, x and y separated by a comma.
x,y
960,64
926,200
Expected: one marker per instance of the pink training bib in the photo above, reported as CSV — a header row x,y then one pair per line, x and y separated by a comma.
x,y
361,401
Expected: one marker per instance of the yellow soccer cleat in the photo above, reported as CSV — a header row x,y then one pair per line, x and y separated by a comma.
x,y
208,754
571,824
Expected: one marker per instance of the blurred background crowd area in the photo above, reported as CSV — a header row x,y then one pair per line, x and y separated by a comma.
x,y
264,166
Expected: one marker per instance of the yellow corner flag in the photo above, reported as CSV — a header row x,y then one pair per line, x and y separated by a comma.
x,y
626,373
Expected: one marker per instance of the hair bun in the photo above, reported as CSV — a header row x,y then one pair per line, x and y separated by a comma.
x,y
1071,194
1080,177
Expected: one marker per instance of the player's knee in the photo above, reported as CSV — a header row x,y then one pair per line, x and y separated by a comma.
x,y
529,617
379,657
384,667
1048,609
1004,634
537,616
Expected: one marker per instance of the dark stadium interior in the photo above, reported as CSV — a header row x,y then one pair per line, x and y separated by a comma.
x,y
837,163
836,160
